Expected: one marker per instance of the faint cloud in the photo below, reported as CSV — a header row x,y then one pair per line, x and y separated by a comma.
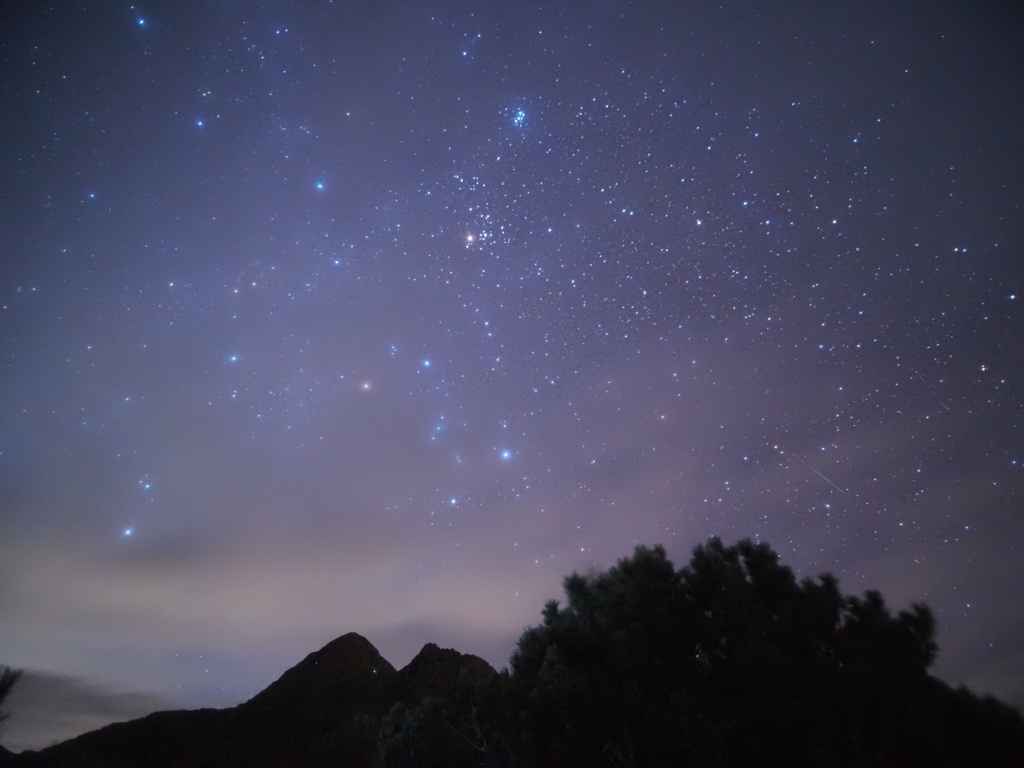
x,y
48,708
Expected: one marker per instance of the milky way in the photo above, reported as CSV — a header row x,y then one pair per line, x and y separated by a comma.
x,y
322,317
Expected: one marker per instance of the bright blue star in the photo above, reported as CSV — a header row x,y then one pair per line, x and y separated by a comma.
x,y
320,185
506,455
141,21
426,363
127,532
233,358
453,502
199,123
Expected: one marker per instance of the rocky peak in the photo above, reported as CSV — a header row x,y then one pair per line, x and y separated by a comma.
x,y
346,674
435,672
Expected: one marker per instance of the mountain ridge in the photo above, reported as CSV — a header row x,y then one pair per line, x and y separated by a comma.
x,y
313,714
729,661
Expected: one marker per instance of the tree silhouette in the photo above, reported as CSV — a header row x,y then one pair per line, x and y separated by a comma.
x,y
728,661
8,677
732,661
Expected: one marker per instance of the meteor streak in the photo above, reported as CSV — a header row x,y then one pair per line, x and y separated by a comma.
x,y
818,473
946,407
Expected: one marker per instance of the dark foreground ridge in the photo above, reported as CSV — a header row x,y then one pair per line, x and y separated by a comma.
x,y
729,661
319,712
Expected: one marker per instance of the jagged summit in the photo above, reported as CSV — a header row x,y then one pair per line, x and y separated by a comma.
x,y
797,674
433,655
316,713
435,672
345,668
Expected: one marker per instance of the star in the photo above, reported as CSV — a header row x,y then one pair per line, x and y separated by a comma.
x,y
448,180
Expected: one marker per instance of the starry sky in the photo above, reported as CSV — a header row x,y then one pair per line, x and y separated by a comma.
x,y
383,316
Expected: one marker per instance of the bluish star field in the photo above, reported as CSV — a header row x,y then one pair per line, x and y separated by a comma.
x,y
383,317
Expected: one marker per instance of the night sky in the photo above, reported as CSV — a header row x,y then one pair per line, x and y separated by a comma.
x,y
383,317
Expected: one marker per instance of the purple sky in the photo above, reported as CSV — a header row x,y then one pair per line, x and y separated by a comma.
x,y
385,316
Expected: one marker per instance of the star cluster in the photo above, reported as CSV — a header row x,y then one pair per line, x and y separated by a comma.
x,y
326,317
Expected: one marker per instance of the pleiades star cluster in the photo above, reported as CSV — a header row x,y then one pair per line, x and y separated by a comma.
x,y
383,317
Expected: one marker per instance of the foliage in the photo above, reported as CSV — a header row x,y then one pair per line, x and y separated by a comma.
x,y
732,661
728,661
8,678
462,730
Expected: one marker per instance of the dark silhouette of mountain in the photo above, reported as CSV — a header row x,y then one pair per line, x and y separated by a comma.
x,y
315,714
728,661
308,714
436,672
